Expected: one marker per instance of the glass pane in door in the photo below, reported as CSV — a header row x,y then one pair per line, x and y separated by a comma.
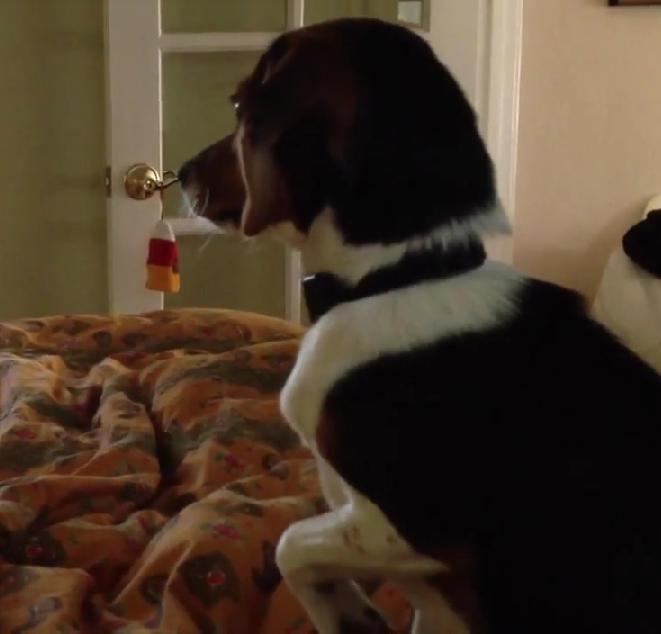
x,y
204,16
216,271
196,105
226,272
320,10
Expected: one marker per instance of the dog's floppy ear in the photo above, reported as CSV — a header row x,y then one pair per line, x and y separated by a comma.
x,y
265,103
283,137
267,196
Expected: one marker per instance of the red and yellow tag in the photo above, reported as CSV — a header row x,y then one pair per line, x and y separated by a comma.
x,y
163,260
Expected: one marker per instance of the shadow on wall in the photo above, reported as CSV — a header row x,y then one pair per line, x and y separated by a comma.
x,y
53,255
587,254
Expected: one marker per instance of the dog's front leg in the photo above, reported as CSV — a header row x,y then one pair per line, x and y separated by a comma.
x,y
338,606
332,486
314,560
320,558
433,614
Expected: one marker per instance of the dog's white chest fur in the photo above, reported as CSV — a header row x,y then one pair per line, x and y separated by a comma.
x,y
358,332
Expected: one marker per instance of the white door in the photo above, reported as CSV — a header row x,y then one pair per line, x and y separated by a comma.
x,y
171,65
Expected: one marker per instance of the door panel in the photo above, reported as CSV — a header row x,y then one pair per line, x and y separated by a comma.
x,y
216,270
223,16
219,271
196,105
320,10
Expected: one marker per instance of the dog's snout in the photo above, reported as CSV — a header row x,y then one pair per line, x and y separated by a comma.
x,y
212,182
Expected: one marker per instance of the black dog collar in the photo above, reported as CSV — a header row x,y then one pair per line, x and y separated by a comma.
x,y
324,291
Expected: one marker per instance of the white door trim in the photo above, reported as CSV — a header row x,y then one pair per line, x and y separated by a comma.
x,y
503,79
293,266
487,61
503,91
131,44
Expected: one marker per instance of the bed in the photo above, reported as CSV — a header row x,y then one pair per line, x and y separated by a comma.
x,y
146,475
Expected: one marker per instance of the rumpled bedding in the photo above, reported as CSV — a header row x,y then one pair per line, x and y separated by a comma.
x,y
146,475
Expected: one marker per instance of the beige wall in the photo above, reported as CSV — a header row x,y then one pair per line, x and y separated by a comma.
x,y
590,134
52,205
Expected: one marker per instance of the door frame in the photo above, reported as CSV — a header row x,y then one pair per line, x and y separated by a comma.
x,y
134,46
491,78
503,80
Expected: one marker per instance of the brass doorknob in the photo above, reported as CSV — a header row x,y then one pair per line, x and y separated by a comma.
x,y
142,180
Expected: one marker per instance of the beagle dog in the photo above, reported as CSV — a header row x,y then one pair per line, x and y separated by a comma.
x,y
480,440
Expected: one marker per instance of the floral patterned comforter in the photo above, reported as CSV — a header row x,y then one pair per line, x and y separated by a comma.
x,y
146,475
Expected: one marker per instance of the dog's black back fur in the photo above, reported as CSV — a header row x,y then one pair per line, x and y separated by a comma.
x,y
538,446
416,158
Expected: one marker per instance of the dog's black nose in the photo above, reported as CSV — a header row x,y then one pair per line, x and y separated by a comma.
x,y
185,172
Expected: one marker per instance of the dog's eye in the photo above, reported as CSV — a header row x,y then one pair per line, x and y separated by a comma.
x,y
236,104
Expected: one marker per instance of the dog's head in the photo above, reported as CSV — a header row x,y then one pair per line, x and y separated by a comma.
x,y
357,116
